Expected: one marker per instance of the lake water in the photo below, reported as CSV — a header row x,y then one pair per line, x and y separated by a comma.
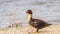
x,y
13,11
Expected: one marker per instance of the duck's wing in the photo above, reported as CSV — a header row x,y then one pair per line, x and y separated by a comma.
x,y
40,23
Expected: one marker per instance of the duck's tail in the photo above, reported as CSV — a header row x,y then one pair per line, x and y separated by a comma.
x,y
49,24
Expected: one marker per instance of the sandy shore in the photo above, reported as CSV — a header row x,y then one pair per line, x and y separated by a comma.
x,y
53,29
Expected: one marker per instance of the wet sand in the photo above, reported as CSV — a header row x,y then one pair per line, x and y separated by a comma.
x,y
53,29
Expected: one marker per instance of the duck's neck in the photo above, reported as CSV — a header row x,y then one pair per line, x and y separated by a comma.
x,y
29,17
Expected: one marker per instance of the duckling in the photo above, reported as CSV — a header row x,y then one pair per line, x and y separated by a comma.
x,y
36,23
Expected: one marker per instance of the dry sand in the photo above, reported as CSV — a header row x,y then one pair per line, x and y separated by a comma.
x,y
53,29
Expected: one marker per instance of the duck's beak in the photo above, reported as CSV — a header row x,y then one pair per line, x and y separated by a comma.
x,y
27,12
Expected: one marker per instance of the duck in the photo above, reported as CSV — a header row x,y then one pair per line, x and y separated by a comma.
x,y
36,23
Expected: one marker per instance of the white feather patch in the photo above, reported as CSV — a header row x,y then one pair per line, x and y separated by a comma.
x,y
35,22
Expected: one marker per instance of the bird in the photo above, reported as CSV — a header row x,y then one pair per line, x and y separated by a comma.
x,y
36,23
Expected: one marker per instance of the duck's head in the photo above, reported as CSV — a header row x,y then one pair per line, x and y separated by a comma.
x,y
29,12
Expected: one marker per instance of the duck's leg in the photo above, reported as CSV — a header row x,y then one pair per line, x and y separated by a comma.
x,y
37,30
